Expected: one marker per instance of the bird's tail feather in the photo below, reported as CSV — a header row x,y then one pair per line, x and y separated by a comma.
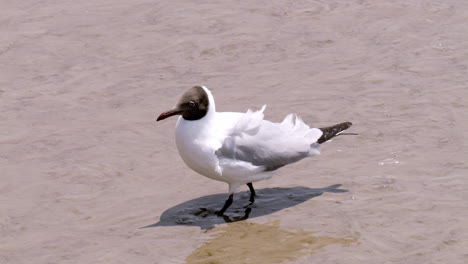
x,y
333,131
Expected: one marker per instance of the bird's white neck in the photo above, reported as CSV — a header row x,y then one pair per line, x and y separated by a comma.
x,y
211,105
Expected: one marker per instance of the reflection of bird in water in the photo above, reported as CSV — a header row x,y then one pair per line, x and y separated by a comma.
x,y
204,212
240,148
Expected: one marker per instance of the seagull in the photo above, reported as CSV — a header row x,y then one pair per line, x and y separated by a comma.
x,y
240,148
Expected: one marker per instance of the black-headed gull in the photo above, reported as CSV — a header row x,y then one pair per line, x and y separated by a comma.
x,y
240,148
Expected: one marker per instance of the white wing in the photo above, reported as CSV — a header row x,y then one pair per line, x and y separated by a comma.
x,y
267,144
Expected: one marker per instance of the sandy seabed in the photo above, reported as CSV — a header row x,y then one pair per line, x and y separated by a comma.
x,y
83,165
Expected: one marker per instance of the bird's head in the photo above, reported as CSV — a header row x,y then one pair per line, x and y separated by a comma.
x,y
193,105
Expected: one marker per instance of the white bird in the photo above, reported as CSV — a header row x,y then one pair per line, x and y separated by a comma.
x,y
240,148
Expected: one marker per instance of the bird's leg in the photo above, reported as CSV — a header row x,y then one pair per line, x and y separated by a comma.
x,y
226,205
252,193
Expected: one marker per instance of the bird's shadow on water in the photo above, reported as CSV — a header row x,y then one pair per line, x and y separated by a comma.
x,y
202,211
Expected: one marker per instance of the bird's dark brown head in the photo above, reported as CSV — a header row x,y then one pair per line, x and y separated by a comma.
x,y
193,105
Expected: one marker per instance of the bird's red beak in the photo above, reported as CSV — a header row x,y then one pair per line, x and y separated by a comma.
x,y
168,114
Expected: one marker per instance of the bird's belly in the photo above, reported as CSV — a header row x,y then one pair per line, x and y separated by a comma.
x,y
199,161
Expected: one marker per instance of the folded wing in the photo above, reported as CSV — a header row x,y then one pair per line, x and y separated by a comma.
x,y
269,145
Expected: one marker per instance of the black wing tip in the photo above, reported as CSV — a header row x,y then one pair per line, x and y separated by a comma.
x,y
347,124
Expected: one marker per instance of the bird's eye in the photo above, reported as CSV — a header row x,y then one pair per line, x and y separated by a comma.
x,y
192,104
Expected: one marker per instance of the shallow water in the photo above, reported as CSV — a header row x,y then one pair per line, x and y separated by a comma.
x,y
83,165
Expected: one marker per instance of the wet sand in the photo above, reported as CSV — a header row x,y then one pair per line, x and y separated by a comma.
x,y
83,165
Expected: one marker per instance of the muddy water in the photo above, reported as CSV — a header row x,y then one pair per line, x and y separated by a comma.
x,y
244,242
83,165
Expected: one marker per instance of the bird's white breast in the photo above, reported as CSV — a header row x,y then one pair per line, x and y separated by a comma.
x,y
198,140
197,145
